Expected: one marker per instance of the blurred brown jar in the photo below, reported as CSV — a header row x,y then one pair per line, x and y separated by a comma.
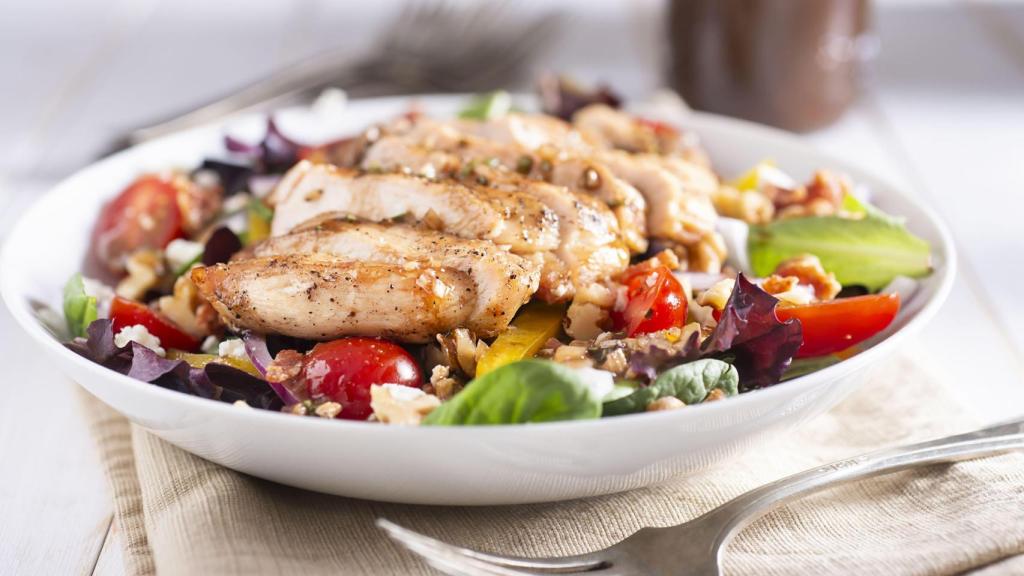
x,y
795,64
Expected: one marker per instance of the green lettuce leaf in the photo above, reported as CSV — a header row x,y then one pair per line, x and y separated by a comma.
x,y
79,307
690,382
524,391
869,251
487,106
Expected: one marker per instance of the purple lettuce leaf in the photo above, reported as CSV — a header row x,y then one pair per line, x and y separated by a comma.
x,y
760,345
748,335
275,154
233,177
220,246
214,381
562,97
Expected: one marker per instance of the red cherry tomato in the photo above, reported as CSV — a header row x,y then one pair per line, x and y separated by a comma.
x,y
343,371
833,326
144,215
124,312
654,302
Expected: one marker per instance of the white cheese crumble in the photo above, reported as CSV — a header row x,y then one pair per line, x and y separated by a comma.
x,y
233,348
210,345
403,393
103,294
180,253
138,333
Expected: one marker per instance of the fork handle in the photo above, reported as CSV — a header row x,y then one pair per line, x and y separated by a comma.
x,y
743,510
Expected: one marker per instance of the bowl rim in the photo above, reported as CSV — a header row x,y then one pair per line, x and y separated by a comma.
x,y
29,324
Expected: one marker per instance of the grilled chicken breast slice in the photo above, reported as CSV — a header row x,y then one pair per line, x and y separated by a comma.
x,y
431,148
504,217
502,281
319,297
591,248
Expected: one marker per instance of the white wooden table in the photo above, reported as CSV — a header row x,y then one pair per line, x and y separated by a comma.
x,y
944,117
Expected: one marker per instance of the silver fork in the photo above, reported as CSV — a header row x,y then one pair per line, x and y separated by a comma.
x,y
432,46
696,547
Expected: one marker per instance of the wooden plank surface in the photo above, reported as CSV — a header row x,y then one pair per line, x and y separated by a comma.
x,y
944,119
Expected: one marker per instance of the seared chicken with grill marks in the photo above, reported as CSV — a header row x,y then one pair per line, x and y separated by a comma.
x,y
505,217
591,248
319,297
605,127
677,191
502,281
432,148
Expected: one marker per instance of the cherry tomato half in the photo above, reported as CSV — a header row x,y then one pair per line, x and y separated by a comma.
x,y
654,302
124,312
833,326
343,371
144,215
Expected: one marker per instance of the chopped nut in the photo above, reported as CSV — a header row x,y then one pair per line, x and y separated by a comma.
x,y
441,384
666,403
751,206
287,365
570,353
715,394
718,294
584,320
707,255
328,410
808,270
396,404
144,269
615,361
776,284
181,306
199,201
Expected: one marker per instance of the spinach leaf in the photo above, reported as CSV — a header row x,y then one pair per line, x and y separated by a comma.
x,y
79,307
869,251
524,391
690,382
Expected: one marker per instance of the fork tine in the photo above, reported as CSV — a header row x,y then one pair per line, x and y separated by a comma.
x,y
427,546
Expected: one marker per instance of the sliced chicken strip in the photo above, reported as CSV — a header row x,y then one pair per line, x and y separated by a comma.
x,y
677,210
590,248
511,218
320,298
432,148
503,281
606,127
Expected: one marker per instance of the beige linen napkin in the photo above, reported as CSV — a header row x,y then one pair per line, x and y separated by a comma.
x,y
180,514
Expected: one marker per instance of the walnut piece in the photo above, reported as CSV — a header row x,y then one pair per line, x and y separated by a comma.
x,y
666,403
808,270
751,206
181,307
144,269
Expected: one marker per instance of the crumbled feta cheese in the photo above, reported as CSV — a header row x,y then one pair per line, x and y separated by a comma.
x,y
233,348
241,404
103,294
235,203
599,382
330,103
181,253
210,345
396,404
138,333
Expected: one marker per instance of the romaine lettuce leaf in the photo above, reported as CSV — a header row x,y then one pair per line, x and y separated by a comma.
x,y
79,307
869,251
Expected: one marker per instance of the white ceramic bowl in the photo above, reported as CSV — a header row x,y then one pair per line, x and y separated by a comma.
x,y
457,465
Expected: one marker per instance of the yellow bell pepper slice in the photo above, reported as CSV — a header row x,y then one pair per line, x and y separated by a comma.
x,y
259,221
201,360
535,324
763,171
